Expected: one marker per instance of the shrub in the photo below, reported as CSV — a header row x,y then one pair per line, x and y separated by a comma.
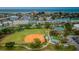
x,y
39,26
9,44
66,33
8,30
76,32
5,31
68,26
57,46
71,47
36,44
63,40
28,26
19,28
22,26
1,33
47,25
53,32
12,29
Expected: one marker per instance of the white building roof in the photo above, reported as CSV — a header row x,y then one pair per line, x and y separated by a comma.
x,y
76,26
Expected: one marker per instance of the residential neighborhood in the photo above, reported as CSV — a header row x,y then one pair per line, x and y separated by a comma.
x,y
39,30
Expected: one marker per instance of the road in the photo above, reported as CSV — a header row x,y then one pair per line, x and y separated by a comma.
x,y
71,41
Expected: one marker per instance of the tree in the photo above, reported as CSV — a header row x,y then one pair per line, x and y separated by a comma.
x,y
68,27
54,33
1,33
47,25
76,32
36,44
7,30
9,44
19,15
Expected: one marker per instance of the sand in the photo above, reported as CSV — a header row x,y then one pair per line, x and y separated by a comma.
x,y
30,38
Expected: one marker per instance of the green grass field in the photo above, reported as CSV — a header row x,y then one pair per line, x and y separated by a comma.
x,y
18,37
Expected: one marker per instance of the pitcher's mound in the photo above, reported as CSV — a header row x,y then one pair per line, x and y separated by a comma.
x,y
30,38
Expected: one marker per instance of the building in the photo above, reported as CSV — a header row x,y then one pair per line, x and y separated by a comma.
x,y
13,18
76,26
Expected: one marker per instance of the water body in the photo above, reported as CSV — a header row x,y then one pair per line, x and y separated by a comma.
x,y
39,9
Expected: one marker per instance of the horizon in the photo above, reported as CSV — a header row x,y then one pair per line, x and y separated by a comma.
x,y
39,9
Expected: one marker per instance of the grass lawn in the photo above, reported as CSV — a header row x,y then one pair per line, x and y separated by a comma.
x,y
55,37
18,37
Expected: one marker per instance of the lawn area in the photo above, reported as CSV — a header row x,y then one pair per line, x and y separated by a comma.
x,y
18,37
55,37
